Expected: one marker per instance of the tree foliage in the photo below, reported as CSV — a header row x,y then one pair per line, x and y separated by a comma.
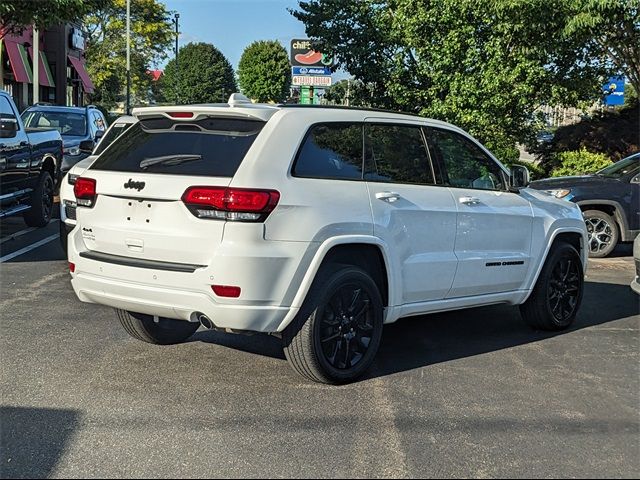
x,y
350,92
203,75
18,14
151,35
485,65
611,31
264,72
613,133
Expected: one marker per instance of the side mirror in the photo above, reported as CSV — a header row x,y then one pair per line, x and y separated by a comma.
x,y
8,127
99,135
87,146
519,177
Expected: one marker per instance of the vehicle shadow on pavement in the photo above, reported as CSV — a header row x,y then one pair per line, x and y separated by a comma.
x,y
34,439
430,339
421,341
259,343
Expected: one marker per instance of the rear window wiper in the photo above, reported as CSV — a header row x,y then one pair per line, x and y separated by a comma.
x,y
168,160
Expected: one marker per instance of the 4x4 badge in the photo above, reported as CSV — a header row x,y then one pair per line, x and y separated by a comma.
x,y
137,185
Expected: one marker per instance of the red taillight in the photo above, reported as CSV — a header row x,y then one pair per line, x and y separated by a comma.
x,y
72,267
237,204
85,191
180,114
226,291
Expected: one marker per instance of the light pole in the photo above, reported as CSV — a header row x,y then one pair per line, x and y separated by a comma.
x,y
128,111
176,19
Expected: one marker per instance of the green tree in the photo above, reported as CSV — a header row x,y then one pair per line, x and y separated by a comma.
x,y
151,35
264,72
611,31
15,15
349,92
485,65
203,75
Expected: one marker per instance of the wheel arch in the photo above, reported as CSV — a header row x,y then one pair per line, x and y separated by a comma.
x,y
367,252
572,235
50,164
611,208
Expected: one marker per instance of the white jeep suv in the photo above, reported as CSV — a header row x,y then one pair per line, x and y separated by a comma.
x,y
314,224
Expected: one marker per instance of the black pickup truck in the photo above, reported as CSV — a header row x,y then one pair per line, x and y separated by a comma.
x,y
30,162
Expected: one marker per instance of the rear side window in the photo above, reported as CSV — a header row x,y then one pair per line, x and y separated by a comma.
x,y
331,150
397,154
212,147
114,132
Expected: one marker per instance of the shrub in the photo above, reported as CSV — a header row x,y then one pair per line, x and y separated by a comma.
x,y
614,133
579,162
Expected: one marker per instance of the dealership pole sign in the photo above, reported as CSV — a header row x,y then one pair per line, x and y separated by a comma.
x,y
613,91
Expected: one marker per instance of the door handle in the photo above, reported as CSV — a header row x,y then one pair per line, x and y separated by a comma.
x,y
388,196
469,200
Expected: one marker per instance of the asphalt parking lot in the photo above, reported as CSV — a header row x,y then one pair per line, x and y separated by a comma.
x,y
466,394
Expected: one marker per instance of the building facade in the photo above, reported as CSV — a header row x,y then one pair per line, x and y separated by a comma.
x,y
63,78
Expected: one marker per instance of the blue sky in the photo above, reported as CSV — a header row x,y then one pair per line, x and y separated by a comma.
x,y
231,25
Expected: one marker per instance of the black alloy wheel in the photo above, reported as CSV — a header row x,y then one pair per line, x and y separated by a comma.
x,y
346,326
563,291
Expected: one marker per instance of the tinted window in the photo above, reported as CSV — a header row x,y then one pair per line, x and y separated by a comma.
x,y
626,166
465,164
212,147
331,150
114,132
397,154
72,124
5,108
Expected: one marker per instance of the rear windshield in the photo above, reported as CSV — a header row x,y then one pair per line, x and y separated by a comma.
x,y
212,147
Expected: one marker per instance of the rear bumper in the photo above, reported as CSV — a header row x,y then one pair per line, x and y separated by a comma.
x,y
178,304
269,274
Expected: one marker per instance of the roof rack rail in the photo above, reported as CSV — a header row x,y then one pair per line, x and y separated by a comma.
x,y
43,104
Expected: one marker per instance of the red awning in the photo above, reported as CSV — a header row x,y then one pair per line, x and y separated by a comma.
x,y
82,72
44,72
19,62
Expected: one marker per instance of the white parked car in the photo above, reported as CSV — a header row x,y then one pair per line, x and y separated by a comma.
x,y
314,224
67,198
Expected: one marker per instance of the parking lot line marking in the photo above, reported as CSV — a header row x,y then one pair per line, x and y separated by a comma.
x,y
17,234
33,246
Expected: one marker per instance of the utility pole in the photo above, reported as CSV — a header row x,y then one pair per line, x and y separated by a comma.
x,y
176,19
128,110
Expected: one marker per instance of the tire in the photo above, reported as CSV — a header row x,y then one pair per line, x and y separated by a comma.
x,y
165,331
41,202
556,297
324,343
603,233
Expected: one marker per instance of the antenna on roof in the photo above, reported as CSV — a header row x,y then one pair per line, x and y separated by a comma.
x,y
238,99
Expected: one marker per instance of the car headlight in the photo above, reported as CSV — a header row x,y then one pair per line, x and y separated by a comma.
x,y
559,193
72,151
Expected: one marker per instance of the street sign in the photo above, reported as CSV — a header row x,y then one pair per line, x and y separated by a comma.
x,y
613,91
310,71
314,81
302,55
